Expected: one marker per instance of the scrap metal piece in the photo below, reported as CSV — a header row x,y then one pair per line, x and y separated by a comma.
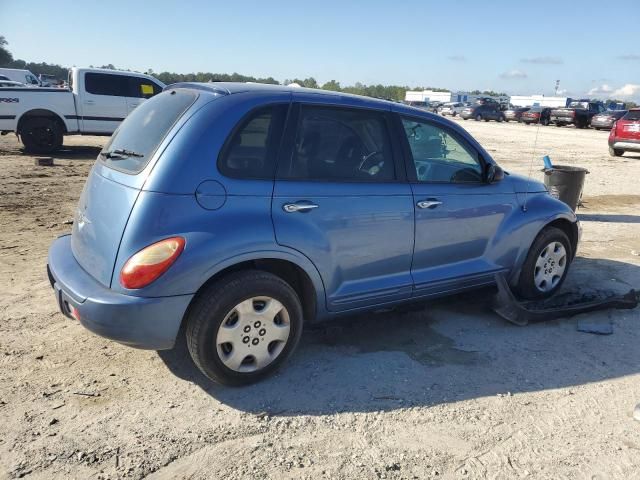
x,y
511,309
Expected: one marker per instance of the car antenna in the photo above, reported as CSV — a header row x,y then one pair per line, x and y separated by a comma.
x,y
533,156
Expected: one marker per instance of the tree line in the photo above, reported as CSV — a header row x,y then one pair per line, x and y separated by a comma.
x,y
391,92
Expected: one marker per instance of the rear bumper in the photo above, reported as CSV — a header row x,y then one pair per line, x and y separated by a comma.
x,y
141,322
562,120
628,145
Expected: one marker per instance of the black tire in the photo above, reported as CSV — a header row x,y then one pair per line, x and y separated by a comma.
x,y
216,301
500,119
526,286
558,124
41,135
478,117
615,152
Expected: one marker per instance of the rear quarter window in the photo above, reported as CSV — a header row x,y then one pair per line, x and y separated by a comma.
x,y
144,129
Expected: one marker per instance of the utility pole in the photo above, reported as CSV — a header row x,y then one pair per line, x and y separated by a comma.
x,y
557,86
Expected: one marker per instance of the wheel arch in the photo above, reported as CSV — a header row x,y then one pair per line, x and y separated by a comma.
x,y
302,277
40,113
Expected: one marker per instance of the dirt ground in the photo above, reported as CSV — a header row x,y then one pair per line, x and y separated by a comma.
x,y
450,391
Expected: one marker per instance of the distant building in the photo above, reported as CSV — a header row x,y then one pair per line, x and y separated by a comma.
x,y
538,100
423,96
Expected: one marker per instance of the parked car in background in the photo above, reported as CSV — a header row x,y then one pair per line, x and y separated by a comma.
x,y
4,77
11,84
541,115
605,120
434,107
20,75
514,113
452,108
485,111
578,113
192,220
625,134
96,104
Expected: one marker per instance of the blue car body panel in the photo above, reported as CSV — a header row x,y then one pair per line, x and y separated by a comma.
x,y
365,246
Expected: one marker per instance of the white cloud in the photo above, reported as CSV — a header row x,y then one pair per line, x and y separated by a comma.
x,y
628,90
518,74
603,89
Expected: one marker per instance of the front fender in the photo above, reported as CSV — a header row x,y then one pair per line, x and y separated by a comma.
x,y
541,210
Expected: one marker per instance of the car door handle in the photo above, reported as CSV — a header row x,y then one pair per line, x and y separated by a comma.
x,y
428,203
89,102
298,207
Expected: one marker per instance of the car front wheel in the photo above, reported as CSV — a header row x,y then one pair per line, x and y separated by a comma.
x,y
546,265
243,327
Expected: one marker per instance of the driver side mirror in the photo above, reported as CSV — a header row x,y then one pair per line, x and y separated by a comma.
x,y
494,173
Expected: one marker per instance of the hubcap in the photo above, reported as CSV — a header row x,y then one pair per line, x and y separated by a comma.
x,y
253,334
550,266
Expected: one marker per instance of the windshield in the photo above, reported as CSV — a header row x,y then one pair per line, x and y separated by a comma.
x,y
578,105
138,136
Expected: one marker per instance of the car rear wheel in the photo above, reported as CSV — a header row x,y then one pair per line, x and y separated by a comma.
x,y
41,135
243,327
546,265
615,152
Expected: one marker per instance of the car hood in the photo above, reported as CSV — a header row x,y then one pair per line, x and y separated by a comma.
x,y
522,184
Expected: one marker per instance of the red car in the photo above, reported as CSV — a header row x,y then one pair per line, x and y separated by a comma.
x,y
625,134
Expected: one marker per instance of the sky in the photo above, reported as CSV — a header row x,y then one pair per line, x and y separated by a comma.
x,y
519,47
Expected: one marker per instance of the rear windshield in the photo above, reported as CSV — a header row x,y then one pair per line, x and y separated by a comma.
x,y
136,139
632,115
578,105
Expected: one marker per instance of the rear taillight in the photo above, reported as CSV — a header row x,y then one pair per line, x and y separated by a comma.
x,y
612,133
573,113
149,263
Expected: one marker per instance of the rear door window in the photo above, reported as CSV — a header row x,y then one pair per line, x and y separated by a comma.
x,y
106,84
340,144
136,139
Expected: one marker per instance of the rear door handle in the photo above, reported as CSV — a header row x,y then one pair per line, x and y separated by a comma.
x,y
298,207
89,102
428,203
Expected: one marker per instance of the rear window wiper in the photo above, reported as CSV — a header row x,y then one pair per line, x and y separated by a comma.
x,y
120,153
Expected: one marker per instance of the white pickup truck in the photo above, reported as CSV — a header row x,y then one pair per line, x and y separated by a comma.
x,y
95,103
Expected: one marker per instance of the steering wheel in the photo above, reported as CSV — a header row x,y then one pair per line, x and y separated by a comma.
x,y
374,168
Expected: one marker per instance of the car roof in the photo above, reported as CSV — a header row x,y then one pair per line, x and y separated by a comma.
x,y
230,88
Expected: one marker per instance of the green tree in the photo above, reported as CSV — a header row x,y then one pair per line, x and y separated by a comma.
x,y
5,55
332,85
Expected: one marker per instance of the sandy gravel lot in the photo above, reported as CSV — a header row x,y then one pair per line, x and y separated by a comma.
x,y
450,391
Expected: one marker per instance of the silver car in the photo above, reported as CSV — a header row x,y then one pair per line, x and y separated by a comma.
x,y
452,108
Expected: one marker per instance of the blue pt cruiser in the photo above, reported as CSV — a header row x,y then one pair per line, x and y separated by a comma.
x,y
244,210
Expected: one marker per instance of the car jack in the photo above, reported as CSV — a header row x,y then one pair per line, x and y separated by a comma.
x,y
522,313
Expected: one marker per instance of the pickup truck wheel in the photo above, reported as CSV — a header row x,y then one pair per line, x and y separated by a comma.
x,y
615,152
41,135
546,265
243,327
478,118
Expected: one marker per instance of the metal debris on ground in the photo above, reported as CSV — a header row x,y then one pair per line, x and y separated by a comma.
x,y
565,305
